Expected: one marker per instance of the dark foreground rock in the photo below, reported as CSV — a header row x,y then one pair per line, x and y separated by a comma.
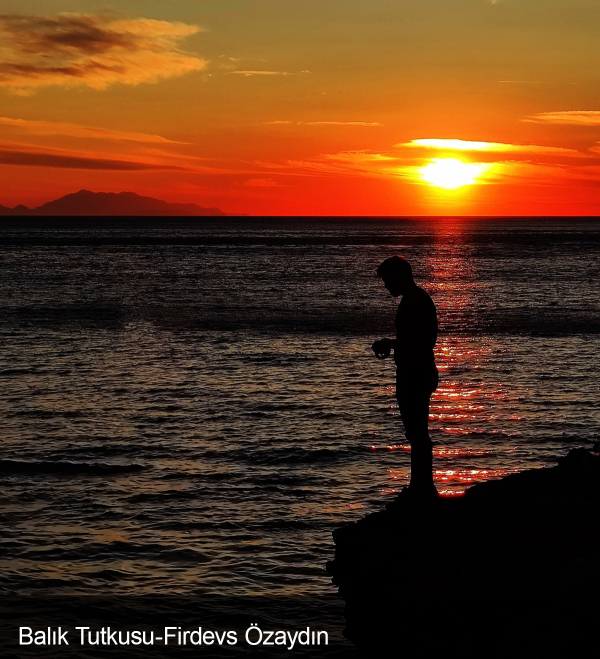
x,y
512,568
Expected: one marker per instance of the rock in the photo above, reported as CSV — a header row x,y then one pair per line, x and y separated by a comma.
x,y
511,568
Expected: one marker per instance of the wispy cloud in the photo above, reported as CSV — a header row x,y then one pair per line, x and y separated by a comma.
x,y
261,73
341,123
75,130
392,165
325,123
345,163
14,155
572,117
261,183
359,157
498,147
146,158
90,49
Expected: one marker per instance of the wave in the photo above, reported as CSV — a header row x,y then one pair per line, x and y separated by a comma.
x,y
8,466
286,455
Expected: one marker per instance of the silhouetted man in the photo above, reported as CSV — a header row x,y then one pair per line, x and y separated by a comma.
x,y
416,373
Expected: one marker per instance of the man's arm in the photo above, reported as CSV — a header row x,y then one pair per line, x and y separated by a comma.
x,y
383,347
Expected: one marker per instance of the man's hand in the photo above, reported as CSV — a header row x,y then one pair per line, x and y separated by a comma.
x,y
382,348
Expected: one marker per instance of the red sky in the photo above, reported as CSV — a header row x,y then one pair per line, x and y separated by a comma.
x,y
416,107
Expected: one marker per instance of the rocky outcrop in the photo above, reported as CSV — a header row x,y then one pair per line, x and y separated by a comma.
x,y
510,569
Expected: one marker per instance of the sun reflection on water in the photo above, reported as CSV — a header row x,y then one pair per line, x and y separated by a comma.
x,y
470,403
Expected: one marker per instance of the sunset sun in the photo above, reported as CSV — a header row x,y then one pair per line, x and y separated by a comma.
x,y
451,173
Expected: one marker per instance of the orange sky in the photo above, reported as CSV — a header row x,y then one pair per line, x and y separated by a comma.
x,y
312,107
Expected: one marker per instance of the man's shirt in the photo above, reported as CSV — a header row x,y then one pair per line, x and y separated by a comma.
x,y
416,334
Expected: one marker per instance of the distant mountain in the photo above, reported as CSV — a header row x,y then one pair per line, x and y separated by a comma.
x,y
100,204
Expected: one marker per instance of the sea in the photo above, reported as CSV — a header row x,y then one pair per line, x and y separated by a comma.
x,y
190,406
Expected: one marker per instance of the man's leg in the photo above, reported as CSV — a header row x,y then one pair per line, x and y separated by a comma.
x,y
414,410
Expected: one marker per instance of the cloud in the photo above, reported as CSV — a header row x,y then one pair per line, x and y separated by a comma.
x,y
410,166
257,72
261,183
90,49
75,130
145,159
359,157
571,117
345,163
341,123
388,166
262,73
326,123
465,145
21,155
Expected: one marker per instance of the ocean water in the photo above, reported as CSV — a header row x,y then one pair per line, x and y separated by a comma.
x,y
192,406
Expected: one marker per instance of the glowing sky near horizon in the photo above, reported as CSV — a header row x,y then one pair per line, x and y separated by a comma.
x,y
305,107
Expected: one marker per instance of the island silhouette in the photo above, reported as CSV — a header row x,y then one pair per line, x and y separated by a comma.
x,y
101,204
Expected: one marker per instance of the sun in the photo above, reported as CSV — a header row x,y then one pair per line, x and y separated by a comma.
x,y
451,173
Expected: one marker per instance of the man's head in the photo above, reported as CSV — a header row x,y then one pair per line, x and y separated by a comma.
x,y
396,274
